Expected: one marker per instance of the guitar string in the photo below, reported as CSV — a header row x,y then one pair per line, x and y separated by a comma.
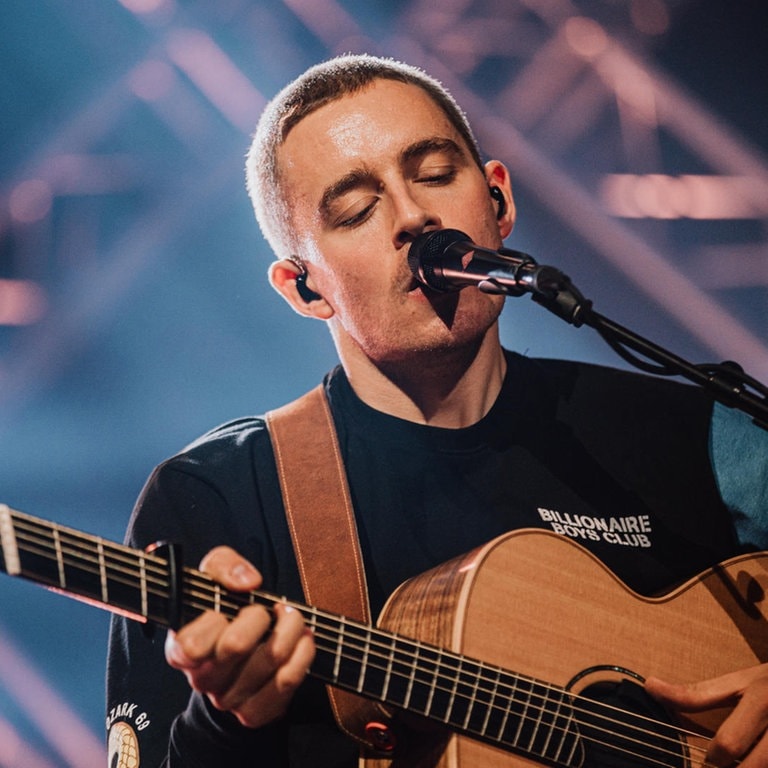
x,y
128,555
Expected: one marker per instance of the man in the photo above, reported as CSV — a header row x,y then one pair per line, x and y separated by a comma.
x,y
448,441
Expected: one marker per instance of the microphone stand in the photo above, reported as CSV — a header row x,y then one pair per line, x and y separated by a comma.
x,y
726,381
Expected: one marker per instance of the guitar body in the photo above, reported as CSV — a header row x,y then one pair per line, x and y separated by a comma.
x,y
539,604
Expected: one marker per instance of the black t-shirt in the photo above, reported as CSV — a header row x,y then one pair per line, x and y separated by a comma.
x,y
613,460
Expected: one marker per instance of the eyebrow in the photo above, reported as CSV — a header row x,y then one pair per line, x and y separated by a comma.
x,y
347,182
430,145
360,176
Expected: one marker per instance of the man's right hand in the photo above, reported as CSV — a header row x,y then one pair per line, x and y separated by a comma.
x,y
249,666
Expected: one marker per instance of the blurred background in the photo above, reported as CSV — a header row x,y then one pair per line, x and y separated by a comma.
x,y
134,309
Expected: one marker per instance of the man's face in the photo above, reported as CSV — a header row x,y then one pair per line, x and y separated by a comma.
x,y
363,176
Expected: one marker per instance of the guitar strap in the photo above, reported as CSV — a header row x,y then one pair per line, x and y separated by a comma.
x,y
321,521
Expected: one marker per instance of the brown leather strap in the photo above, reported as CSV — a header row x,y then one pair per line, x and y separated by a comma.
x,y
322,524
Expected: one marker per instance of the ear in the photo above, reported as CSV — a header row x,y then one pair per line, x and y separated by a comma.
x,y
497,175
282,277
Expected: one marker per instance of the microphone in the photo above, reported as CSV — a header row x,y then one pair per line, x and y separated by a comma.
x,y
447,260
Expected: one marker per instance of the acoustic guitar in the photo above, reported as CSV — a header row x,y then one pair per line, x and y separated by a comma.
x,y
526,651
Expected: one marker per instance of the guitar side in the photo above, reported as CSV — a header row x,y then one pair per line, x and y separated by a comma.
x,y
539,604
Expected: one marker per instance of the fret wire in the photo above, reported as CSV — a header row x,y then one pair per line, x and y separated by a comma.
x,y
549,730
526,706
411,676
433,684
575,747
664,754
452,698
388,673
505,715
131,552
537,722
472,699
125,553
143,581
59,557
103,574
569,720
500,741
491,705
364,662
339,646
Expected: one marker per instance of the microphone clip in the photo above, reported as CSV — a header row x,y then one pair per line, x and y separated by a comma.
x,y
519,262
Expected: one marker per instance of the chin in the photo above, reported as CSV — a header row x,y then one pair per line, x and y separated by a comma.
x,y
459,341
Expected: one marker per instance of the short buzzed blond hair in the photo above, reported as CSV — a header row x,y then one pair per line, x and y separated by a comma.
x,y
319,85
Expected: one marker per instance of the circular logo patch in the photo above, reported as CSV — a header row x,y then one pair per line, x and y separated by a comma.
x,y
122,747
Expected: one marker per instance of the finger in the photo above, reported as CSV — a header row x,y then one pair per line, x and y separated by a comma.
x,y
196,642
274,659
292,673
695,697
291,647
742,728
235,643
272,700
758,757
231,569
244,633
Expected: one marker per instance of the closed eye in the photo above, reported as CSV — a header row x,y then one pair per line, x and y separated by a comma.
x,y
436,177
358,216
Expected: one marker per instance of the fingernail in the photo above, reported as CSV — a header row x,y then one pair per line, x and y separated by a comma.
x,y
175,653
243,573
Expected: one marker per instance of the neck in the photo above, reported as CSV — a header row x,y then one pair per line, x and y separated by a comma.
x,y
450,388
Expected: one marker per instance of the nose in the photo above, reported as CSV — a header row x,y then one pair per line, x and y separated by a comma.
x,y
411,218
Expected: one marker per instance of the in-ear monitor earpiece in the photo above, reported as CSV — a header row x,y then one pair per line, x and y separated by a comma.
x,y
498,196
306,293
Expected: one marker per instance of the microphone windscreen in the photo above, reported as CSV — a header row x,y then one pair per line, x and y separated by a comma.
x,y
425,252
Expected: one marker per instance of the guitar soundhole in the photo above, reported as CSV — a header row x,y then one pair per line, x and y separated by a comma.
x,y
623,727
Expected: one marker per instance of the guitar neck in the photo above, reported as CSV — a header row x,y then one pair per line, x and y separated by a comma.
x,y
140,584
469,696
